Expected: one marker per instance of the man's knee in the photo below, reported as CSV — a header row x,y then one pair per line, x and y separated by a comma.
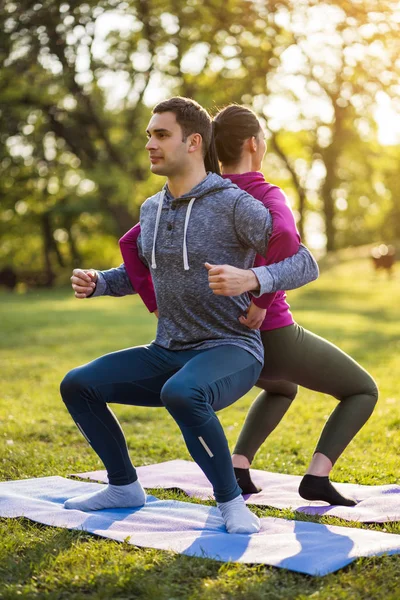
x,y
72,384
174,395
181,398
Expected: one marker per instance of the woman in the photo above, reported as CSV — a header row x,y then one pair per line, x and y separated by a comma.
x,y
292,355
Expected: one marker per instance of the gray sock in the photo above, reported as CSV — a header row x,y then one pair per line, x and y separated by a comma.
x,y
112,496
237,517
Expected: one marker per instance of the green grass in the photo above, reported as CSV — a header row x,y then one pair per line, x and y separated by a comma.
x,y
44,334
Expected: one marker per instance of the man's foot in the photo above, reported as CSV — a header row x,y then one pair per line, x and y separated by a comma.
x,y
313,487
237,517
112,496
244,480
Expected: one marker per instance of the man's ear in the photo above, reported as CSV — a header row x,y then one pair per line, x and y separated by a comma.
x,y
195,142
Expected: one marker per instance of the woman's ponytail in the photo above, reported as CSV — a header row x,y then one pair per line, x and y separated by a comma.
x,y
211,158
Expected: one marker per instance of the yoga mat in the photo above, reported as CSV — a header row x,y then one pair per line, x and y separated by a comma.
x,y
196,530
376,503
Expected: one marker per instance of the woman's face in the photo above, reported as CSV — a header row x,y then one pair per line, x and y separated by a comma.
x,y
261,148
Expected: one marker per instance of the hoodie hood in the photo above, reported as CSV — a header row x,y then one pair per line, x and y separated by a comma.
x,y
210,184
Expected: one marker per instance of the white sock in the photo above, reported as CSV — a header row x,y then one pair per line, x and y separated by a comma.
x,y
112,496
237,517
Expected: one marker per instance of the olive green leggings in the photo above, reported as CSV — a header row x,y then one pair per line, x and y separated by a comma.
x,y
295,356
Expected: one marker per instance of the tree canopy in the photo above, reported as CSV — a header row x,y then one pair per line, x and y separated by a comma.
x,y
78,79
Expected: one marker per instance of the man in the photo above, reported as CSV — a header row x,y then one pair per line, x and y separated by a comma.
x,y
203,358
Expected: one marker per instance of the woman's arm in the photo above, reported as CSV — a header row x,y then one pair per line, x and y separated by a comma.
x,y
138,272
284,241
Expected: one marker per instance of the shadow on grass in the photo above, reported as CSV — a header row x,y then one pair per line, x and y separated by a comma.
x,y
72,564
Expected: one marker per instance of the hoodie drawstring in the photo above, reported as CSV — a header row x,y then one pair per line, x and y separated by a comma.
x,y
187,217
159,209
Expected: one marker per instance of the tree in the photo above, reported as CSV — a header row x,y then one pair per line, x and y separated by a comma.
x,y
344,53
72,164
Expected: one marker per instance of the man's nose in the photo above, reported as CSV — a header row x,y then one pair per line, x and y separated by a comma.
x,y
151,144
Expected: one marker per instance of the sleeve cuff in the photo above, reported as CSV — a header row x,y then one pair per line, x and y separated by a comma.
x,y
100,285
265,280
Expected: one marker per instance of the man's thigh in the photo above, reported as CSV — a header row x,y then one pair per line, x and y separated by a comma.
x,y
132,376
223,374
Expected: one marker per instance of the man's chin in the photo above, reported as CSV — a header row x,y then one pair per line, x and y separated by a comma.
x,y
157,169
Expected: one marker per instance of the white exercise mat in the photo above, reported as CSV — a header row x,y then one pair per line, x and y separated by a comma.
x,y
196,530
376,503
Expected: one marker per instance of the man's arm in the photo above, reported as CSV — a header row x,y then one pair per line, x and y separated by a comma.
x,y
253,225
288,274
88,283
114,282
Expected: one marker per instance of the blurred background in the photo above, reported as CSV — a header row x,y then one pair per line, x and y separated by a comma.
x,y
78,80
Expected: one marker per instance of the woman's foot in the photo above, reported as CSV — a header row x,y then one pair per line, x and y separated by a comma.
x,y
241,466
314,487
315,484
245,482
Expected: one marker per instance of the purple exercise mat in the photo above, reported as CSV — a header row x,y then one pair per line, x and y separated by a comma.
x,y
376,503
196,530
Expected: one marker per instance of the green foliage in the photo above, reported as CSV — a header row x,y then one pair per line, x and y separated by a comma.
x,y
78,79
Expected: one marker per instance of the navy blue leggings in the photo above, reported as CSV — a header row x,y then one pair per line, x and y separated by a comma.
x,y
190,384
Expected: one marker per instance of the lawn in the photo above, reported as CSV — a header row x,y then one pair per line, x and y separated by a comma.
x,y
44,334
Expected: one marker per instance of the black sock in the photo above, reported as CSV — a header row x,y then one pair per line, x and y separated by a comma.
x,y
244,480
313,487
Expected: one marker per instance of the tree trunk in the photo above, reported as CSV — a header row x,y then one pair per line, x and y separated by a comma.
x,y
123,219
301,192
329,215
76,258
47,248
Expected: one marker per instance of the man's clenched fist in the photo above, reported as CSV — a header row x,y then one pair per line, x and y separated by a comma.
x,y
225,280
83,282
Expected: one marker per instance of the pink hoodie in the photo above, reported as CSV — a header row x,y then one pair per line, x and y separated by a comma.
x,y
284,242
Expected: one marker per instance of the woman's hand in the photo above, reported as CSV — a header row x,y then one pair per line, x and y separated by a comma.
x,y
255,317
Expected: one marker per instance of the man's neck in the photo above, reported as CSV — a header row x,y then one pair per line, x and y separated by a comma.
x,y
179,185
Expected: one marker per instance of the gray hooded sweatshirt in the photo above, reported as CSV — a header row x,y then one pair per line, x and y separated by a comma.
x,y
218,223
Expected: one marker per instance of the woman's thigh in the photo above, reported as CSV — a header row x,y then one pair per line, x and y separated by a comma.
x,y
299,356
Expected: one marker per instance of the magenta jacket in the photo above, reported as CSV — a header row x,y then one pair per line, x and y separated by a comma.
x,y
284,242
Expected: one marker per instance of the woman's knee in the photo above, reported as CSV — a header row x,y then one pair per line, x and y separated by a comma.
x,y
373,392
368,391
